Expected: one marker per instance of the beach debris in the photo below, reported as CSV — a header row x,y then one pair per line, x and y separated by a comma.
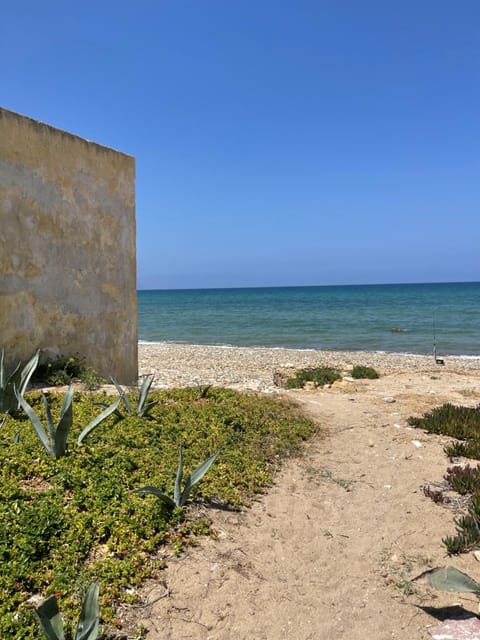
x,y
417,443
389,399
451,579
466,629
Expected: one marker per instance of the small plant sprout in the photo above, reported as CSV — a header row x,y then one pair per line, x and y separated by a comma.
x,y
143,407
180,497
203,390
87,628
18,380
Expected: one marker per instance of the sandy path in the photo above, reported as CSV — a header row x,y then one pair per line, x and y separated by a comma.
x,y
326,552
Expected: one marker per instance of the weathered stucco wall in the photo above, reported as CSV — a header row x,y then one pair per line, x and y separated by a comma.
x,y
67,247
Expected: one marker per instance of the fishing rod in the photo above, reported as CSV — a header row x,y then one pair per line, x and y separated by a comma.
x,y
437,360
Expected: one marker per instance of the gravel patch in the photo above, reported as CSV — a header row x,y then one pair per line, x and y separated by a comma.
x,y
248,368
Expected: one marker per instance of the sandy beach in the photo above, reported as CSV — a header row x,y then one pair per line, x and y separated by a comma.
x,y
246,368
328,552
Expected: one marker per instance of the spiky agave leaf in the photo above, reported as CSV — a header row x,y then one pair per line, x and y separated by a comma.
x,y
450,579
28,371
87,627
50,424
156,492
100,418
18,379
177,489
196,475
123,395
142,408
36,423
146,408
7,387
64,425
50,619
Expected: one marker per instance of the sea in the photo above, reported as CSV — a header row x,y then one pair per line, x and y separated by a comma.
x,y
395,318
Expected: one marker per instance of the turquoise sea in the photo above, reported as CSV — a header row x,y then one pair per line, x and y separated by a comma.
x,y
356,317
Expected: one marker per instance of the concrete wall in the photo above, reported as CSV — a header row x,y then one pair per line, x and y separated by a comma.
x,y
67,247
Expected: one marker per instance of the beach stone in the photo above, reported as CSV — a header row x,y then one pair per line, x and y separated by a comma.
x,y
389,399
467,629
280,376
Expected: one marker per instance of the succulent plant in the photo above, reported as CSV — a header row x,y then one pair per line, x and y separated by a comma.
x,y
87,627
180,497
55,438
143,407
450,579
17,380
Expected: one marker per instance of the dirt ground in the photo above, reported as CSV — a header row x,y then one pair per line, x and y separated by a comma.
x,y
329,550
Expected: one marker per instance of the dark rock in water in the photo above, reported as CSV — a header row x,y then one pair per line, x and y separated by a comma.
x,y
398,330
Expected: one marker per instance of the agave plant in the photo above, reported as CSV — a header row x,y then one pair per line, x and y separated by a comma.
x,y
100,418
55,438
180,497
450,579
18,380
143,407
87,627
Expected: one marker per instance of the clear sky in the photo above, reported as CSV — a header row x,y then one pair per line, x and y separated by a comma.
x,y
277,143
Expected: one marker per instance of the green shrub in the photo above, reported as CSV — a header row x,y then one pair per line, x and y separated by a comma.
x,y
62,371
462,423
71,521
450,420
464,480
468,532
319,376
359,371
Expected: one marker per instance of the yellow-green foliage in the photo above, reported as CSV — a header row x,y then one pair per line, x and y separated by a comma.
x,y
67,522
318,375
359,371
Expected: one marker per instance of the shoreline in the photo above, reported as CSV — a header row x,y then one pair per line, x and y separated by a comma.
x,y
252,368
459,356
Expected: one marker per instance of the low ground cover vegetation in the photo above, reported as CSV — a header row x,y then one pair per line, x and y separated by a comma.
x,y
463,424
320,376
359,371
71,520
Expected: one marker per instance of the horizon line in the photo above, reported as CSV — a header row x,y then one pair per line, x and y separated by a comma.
x,y
307,286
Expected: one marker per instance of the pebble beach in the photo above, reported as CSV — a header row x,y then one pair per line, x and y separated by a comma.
x,y
252,368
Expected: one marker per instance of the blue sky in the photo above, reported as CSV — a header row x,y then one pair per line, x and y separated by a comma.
x,y
277,143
